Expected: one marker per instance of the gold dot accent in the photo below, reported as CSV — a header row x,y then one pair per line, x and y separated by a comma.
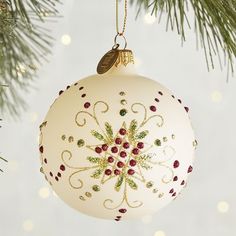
x,y
88,194
161,195
165,139
96,188
157,142
41,170
63,137
82,198
80,143
71,139
173,136
122,93
149,184
123,102
195,143
155,190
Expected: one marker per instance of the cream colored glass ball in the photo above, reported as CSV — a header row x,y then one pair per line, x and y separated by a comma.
x,y
117,146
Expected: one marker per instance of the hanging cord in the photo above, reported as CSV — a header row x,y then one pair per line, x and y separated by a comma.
x,y
121,33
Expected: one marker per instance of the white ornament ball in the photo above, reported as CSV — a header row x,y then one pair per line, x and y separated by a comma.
x,y
117,146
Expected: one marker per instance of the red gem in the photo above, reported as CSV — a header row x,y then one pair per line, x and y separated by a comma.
x,y
186,109
83,95
104,147
41,149
110,159
174,194
114,149
45,161
132,162
140,145
183,182
118,141
123,154
175,178
62,167
61,92
153,108
157,100
122,210
87,105
190,169
135,151
59,174
131,171
116,172
171,191
81,88
126,145
160,93
68,87
122,131
108,172
56,178
176,164
51,174
179,101
98,150
120,164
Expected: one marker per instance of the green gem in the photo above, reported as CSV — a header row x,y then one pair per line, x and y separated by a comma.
x,y
63,137
165,139
149,184
96,188
122,93
80,143
71,139
123,112
88,194
158,142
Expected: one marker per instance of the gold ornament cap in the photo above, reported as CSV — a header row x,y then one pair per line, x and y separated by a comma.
x,y
115,57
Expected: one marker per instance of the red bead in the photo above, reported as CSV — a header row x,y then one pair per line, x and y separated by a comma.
x,y
51,174
110,159
126,145
190,169
56,178
118,141
176,164
131,171
59,174
122,131
183,182
98,150
171,191
62,167
123,154
87,105
174,194
132,163
186,109
120,164
45,161
123,210
153,108
108,172
179,101
116,172
60,92
140,145
175,178
135,151
114,149
104,147
41,149
160,93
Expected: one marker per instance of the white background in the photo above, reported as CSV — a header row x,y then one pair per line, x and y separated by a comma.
x,y
28,205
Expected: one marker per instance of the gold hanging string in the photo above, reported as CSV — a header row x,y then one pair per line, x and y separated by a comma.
x,y
120,33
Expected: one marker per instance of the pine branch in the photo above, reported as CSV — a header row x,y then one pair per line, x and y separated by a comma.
x,y
215,23
24,45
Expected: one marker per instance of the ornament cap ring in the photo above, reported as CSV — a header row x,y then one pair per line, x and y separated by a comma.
x,y
115,40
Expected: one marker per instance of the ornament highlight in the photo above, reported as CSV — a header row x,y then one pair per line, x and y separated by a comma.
x,y
113,159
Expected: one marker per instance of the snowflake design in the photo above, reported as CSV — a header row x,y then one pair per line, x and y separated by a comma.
x,y
121,155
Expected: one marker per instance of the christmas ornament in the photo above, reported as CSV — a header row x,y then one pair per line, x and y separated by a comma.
x,y
117,145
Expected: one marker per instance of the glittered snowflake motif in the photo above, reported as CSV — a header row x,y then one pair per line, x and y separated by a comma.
x,y
121,155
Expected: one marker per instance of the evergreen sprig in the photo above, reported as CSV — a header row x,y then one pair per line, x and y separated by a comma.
x,y
24,45
215,24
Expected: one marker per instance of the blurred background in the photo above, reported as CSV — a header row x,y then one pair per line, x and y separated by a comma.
x,y
206,207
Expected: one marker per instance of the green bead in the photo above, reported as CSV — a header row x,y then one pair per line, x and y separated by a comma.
x,y
158,142
80,143
96,188
123,112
